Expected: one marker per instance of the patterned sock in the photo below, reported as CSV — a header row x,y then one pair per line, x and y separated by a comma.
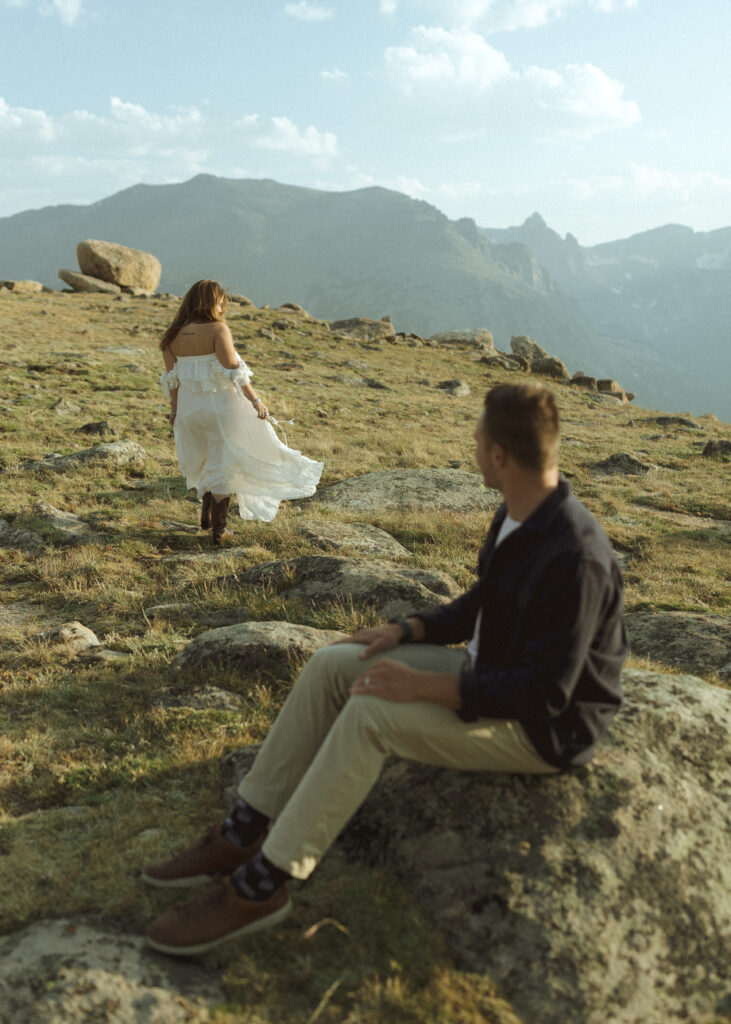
x,y
258,879
244,824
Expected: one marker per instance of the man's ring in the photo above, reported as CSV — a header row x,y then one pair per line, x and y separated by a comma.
x,y
367,681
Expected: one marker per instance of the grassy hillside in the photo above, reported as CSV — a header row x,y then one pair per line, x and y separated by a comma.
x,y
97,736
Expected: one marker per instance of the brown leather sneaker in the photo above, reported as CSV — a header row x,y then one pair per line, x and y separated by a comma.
x,y
216,915
200,863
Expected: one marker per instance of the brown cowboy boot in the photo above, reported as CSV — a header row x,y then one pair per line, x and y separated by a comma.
x,y
219,514
206,511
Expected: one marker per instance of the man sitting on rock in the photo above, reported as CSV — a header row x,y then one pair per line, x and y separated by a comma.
x,y
533,692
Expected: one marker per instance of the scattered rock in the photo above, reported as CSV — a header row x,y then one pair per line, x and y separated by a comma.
x,y
100,428
241,299
479,339
550,366
84,283
70,638
176,610
364,329
623,463
22,286
208,698
607,386
677,421
66,970
369,540
713,447
118,264
65,525
103,655
268,649
506,362
593,896
458,388
21,540
524,346
696,643
582,381
65,408
320,579
213,557
115,453
450,490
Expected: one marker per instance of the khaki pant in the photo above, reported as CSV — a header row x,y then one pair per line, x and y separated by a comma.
x,y
326,749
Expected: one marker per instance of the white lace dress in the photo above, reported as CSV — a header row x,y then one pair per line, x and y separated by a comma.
x,y
224,447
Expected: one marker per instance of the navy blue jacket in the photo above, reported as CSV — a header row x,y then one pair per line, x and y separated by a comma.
x,y
552,638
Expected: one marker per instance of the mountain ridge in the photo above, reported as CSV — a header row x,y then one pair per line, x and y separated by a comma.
x,y
370,251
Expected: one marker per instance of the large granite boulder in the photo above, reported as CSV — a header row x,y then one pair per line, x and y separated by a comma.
x,y
390,588
596,896
410,490
268,649
125,267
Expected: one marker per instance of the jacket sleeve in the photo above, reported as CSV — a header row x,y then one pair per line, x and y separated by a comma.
x,y
454,622
561,621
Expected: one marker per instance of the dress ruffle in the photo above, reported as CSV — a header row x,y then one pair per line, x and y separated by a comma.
x,y
204,373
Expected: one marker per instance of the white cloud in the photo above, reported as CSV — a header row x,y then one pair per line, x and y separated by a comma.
x,y
509,15
592,101
388,6
69,11
438,56
81,155
334,75
285,136
305,11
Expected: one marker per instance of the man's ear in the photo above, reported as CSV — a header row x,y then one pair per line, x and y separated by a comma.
x,y
499,455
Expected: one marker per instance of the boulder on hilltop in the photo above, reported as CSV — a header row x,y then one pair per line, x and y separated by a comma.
x,y
87,283
118,264
363,329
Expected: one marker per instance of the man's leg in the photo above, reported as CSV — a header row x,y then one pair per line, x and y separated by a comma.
x,y
366,732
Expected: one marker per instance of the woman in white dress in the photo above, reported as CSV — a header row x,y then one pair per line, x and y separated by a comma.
x,y
225,445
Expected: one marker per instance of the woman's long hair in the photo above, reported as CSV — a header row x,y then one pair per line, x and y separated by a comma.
x,y
198,306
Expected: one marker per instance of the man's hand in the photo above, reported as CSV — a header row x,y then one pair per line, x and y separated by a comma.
x,y
376,639
392,680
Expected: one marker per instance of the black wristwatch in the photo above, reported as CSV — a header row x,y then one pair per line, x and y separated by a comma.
x,y
405,629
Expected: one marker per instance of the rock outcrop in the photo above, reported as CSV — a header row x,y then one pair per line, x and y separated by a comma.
x,y
120,265
261,649
401,490
479,339
623,463
693,642
86,283
363,329
390,588
115,453
361,537
594,896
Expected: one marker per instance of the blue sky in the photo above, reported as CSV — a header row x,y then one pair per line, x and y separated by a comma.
x,y
609,117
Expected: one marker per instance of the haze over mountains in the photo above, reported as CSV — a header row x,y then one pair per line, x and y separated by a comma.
x,y
653,310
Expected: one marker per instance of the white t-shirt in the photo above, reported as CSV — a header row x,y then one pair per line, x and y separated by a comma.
x,y
506,529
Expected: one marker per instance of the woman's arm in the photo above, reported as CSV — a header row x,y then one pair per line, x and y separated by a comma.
x,y
228,357
169,360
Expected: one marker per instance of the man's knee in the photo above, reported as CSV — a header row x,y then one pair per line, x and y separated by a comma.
x,y
332,666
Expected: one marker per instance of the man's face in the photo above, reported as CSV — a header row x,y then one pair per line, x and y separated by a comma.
x,y
483,453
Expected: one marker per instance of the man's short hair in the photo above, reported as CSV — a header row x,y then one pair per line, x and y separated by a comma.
x,y
523,419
